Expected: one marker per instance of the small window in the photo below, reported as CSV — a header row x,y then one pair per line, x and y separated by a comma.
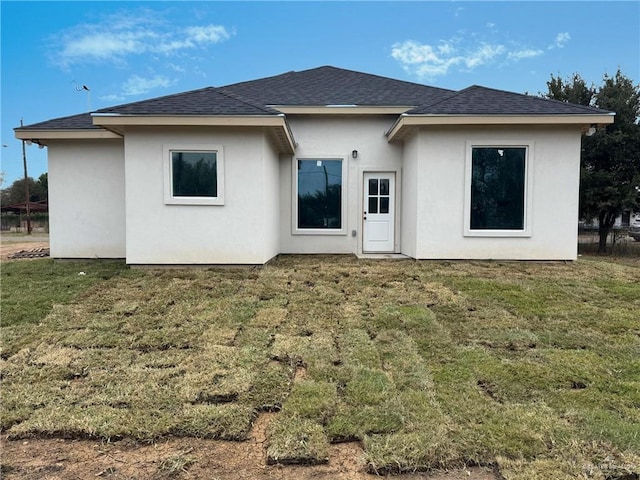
x,y
319,190
193,176
496,185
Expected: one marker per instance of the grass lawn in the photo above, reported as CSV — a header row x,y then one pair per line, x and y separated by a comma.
x,y
531,367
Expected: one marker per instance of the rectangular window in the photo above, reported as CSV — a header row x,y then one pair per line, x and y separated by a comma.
x,y
497,203
193,176
320,194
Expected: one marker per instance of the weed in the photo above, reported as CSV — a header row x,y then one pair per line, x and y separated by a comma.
x,y
176,464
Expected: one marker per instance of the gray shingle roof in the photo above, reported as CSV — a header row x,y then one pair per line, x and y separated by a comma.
x,y
206,101
335,86
477,100
73,122
329,86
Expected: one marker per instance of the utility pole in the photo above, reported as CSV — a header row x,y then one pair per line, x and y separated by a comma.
x,y
26,185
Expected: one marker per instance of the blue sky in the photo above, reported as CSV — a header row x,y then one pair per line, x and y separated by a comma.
x,y
129,51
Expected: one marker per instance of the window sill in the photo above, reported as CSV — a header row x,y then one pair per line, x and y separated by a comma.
x,y
498,233
319,231
194,201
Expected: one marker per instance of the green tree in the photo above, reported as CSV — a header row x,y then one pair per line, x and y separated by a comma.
x,y
43,180
571,90
610,159
14,193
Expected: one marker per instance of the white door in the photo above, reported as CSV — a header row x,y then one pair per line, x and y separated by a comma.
x,y
379,212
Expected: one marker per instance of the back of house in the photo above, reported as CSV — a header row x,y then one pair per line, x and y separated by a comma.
x,y
319,161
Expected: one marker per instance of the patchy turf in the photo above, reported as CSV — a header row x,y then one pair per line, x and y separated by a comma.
x,y
530,367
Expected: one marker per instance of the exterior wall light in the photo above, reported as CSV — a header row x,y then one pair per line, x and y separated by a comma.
x,y
354,154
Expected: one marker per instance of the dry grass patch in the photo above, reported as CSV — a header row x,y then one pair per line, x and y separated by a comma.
x,y
532,367
295,440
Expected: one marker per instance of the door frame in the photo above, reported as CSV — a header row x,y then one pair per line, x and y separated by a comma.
x,y
397,207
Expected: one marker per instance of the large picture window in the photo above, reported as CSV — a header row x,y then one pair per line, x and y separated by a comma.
x,y
319,191
497,190
194,175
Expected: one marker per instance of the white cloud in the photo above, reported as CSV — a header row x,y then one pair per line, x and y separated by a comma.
x,y
112,98
464,53
429,61
176,68
486,53
207,34
526,53
561,39
121,36
136,85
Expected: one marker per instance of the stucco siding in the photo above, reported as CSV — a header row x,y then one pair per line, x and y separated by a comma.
x,y
554,182
337,136
409,213
233,233
270,200
86,199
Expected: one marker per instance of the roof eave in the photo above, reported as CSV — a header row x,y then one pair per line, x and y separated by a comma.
x,y
43,136
119,122
342,109
408,121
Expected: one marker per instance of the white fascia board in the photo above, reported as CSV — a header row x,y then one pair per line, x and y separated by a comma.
x,y
102,119
408,120
117,122
342,109
40,136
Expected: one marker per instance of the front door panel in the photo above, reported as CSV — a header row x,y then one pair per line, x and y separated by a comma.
x,y
379,212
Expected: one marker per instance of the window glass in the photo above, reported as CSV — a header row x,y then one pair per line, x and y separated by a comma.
x,y
320,194
194,174
384,186
497,188
373,204
373,186
384,204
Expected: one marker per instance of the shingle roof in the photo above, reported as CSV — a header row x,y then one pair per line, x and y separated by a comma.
x,y
73,122
477,100
335,86
206,101
328,86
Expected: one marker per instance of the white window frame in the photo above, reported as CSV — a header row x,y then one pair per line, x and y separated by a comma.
x,y
343,211
169,198
529,147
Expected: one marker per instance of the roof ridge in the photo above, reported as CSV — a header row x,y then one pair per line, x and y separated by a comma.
x,y
238,98
537,98
532,98
380,76
454,93
334,68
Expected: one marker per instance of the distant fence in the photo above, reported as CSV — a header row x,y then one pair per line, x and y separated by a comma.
x,y
13,222
619,243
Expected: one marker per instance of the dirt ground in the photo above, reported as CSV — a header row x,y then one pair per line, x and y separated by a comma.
x,y
10,245
58,459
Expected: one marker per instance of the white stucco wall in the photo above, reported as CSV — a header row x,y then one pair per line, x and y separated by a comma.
x,y
410,196
242,231
338,136
86,198
89,217
441,192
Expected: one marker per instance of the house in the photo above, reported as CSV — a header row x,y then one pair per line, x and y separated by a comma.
x,y
324,160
